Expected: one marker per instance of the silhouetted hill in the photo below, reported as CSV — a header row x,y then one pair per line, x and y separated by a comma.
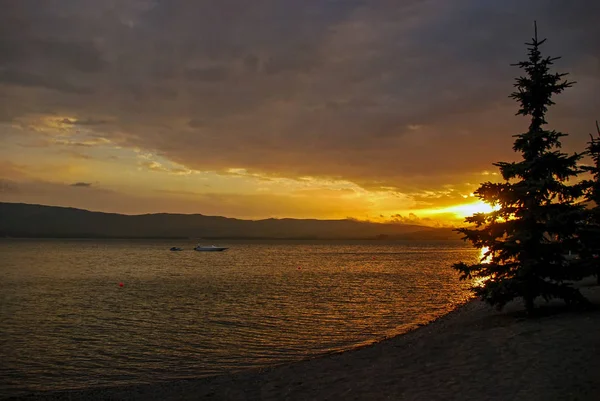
x,y
24,220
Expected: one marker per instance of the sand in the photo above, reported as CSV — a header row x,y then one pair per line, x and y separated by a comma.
x,y
473,353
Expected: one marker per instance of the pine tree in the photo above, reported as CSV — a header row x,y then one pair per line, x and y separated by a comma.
x,y
537,217
590,233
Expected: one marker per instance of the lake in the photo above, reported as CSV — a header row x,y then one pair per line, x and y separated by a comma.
x,y
66,322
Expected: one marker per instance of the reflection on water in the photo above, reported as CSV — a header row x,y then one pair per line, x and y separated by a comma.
x,y
65,322
483,258
482,255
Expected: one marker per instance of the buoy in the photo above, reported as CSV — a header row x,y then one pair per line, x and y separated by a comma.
x,y
121,284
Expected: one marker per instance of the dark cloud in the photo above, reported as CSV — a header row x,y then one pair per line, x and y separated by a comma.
x,y
82,184
195,123
22,78
409,94
208,74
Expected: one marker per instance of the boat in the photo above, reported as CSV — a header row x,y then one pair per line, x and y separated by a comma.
x,y
571,256
211,248
176,248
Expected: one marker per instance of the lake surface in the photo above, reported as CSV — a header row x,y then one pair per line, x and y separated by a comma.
x,y
65,321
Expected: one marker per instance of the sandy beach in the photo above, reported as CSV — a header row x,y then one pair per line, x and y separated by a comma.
x,y
473,353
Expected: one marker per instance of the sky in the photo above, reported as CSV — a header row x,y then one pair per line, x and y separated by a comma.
x,y
380,110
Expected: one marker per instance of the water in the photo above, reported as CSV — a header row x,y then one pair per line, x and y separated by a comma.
x,y
66,323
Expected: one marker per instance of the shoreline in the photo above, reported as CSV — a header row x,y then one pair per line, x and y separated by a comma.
x,y
471,353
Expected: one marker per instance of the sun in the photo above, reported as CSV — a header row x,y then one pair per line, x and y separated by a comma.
x,y
470,209
451,215
466,209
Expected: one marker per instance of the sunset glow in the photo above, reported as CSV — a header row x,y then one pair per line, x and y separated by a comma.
x,y
469,209
348,112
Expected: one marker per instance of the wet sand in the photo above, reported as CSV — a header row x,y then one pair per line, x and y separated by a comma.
x,y
473,353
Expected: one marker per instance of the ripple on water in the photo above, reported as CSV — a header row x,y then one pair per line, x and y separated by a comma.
x,y
66,323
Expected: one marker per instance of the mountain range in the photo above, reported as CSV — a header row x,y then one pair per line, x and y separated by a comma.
x,y
38,221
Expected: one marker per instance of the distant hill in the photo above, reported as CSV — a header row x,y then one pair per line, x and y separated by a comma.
x,y
24,220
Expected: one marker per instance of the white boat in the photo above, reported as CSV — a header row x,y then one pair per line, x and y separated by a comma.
x,y
571,256
211,248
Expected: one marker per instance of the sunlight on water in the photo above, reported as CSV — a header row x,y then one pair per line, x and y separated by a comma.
x,y
482,252
67,322
479,281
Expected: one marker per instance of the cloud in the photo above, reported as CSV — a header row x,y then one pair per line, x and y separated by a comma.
x,y
13,171
22,78
82,184
8,186
412,218
84,143
85,122
384,94
156,166
210,74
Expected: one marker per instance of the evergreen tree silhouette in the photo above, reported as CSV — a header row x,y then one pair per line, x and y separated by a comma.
x,y
537,218
590,233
